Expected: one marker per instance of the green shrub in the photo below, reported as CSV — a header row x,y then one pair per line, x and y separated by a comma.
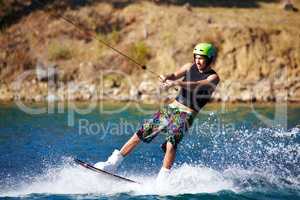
x,y
140,52
112,80
112,39
57,51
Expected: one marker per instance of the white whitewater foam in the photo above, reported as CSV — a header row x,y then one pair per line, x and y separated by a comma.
x,y
290,134
71,179
187,180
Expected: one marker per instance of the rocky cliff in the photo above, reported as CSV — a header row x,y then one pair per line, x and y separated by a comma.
x,y
45,58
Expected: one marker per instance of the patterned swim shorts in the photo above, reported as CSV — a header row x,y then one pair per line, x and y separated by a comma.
x,y
170,121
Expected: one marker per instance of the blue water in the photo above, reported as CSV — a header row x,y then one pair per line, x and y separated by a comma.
x,y
231,152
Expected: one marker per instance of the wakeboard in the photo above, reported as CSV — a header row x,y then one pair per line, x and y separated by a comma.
x,y
92,168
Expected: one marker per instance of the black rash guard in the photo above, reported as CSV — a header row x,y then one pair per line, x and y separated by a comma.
x,y
195,98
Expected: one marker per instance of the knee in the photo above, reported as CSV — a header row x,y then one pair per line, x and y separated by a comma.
x,y
170,147
136,138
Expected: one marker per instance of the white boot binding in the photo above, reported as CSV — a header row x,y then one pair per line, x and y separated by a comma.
x,y
112,162
163,176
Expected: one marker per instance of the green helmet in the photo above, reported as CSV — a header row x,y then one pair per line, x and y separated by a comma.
x,y
205,49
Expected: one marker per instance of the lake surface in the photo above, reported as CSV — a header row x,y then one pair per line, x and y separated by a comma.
x,y
237,151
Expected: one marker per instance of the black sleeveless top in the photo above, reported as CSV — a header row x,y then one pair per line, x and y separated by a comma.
x,y
195,98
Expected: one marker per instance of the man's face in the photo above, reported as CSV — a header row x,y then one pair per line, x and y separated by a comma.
x,y
200,61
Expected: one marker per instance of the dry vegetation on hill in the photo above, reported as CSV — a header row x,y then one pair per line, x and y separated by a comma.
x,y
258,46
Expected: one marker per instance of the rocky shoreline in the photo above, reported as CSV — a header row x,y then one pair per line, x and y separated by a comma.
x,y
43,58
145,91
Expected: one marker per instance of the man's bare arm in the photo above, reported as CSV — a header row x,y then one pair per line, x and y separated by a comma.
x,y
178,73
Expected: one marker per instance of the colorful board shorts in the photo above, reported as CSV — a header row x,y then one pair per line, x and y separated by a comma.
x,y
170,121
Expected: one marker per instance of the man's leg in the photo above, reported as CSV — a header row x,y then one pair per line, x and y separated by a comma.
x,y
169,156
130,145
135,140
117,156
